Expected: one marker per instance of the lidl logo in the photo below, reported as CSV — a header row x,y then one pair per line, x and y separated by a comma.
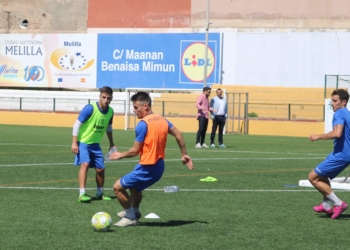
x,y
65,59
193,61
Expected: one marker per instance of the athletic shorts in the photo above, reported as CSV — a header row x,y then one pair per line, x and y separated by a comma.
x,y
90,153
143,176
331,166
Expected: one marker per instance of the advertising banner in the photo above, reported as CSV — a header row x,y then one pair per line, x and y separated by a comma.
x,y
157,60
48,60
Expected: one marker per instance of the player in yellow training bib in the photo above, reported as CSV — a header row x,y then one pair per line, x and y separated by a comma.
x,y
93,122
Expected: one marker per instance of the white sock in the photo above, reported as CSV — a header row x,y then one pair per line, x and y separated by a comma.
x,y
81,191
326,204
129,213
333,198
136,209
99,190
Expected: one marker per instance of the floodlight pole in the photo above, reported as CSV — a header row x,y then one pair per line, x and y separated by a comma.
x,y
206,45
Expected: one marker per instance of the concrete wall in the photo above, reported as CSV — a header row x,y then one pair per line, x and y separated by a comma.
x,y
43,16
37,111
244,15
139,14
68,16
301,14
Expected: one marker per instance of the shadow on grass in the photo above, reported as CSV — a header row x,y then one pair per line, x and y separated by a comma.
x,y
344,217
341,217
170,223
95,199
111,230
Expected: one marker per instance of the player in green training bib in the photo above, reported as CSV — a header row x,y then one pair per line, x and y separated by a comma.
x,y
93,122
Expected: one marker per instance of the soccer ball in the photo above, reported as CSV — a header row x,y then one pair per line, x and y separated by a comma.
x,y
101,222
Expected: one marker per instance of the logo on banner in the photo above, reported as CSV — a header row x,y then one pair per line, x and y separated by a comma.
x,y
330,105
65,59
8,72
34,73
192,62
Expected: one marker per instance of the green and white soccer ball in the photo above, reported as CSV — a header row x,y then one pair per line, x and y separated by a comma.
x,y
101,222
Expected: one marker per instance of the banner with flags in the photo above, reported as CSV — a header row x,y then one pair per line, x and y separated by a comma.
x,y
48,60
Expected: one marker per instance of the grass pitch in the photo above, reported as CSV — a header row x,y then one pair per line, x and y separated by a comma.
x,y
247,208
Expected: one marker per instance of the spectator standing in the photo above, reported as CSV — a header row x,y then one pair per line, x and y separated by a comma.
x,y
203,117
218,115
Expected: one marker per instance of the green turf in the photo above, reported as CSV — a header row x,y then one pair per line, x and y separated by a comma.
x,y
247,208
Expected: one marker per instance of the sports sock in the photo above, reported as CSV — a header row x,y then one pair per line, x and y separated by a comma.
x,y
81,191
326,204
129,213
99,190
333,198
136,209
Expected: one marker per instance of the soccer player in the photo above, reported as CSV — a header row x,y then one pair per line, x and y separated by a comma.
x,y
93,121
336,161
150,142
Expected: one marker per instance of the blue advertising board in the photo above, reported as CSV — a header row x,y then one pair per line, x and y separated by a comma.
x,y
157,60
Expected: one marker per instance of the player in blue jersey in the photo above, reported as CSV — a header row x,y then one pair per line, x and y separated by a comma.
x,y
336,161
93,121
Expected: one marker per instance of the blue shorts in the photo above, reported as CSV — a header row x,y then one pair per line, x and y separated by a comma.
x,y
143,176
331,166
90,153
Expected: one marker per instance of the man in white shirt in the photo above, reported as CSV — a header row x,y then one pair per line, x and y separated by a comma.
x,y
218,114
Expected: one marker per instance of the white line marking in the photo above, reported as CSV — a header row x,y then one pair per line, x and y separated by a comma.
x,y
167,160
181,190
259,152
29,144
197,150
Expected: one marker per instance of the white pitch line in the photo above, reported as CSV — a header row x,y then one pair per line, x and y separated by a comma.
x,y
181,190
31,144
259,152
167,160
171,149
45,164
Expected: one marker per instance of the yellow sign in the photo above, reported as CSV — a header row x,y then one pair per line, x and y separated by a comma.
x,y
192,62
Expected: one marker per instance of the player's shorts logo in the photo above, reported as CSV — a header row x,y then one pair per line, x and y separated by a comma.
x,y
192,62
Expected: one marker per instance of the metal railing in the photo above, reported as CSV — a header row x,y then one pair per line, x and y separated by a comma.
x,y
239,110
53,104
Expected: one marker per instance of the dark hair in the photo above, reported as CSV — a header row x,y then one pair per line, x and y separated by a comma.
x,y
107,90
206,89
342,93
142,97
219,89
